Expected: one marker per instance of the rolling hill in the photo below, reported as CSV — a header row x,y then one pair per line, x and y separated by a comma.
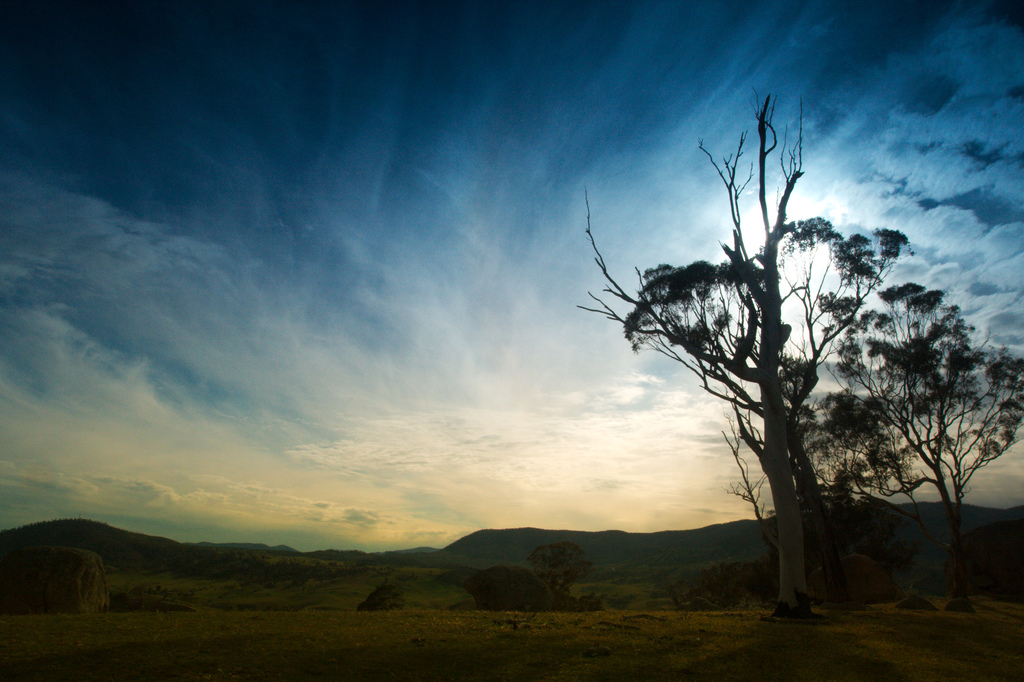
x,y
648,556
120,549
735,541
244,545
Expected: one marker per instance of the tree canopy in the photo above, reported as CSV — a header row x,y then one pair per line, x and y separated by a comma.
x,y
560,565
923,407
724,322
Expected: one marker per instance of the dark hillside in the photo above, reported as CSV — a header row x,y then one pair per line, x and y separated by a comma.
x,y
734,541
120,549
934,518
129,552
244,545
618,557
928,572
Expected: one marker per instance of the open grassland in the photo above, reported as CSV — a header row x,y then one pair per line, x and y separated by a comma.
x,y
424,588
880,643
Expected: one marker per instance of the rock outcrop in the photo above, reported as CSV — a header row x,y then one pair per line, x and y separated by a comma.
x,y
995,558
386,597
52,580
509,588
960,604
699,604
916,603
868,582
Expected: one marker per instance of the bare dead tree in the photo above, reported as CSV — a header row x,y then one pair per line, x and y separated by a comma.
x,y
725,324
749,486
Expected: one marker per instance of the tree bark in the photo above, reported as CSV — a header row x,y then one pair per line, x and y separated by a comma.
x,y
793,601
961,576
836,586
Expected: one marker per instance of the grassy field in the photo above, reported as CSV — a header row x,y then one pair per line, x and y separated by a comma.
x,y
880,643
421,586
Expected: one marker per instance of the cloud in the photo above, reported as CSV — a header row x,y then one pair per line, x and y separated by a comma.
x,y
987,208
344,305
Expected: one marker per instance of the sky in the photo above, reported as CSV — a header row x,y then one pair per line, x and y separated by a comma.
x,y
308,272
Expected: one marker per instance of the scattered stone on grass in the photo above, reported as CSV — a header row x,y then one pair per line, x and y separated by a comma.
x,y
595,651
813,619
700,604
621,626
845,606
961,604
916,603
515,622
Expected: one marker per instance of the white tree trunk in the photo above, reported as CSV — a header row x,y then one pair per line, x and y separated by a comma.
x,y
793,599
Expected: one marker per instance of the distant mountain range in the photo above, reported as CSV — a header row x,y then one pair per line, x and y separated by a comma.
x,y
244,545
734,541
662,555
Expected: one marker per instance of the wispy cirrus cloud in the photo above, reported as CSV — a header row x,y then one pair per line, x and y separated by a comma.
x,y
325,282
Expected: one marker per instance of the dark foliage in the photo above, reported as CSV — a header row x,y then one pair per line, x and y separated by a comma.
x,y
741,583
923,406
560,566
863,527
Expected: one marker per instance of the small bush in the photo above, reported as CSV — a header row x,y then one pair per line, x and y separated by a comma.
x,y
729,585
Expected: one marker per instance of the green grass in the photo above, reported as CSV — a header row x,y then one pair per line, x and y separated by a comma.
x,y
422,590
881,643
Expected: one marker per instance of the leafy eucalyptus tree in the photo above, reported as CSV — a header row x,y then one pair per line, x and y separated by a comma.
x,y
725,323
924,408
560,566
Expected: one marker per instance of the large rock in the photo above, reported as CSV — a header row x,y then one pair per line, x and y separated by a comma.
x,y
509,588
995,558
386,597
52,580
868,582
915,603
699,604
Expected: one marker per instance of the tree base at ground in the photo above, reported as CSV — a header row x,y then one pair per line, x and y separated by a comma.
x,y
801,610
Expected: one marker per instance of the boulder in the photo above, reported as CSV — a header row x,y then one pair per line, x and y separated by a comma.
x,y
916,603
509,588
699,604
52,580
995,558
868,582
960,604
386,597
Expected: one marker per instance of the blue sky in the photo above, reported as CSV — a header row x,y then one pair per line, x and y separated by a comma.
x,y
308,272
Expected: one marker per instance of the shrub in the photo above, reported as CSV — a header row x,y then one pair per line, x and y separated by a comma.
x,y
729,585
